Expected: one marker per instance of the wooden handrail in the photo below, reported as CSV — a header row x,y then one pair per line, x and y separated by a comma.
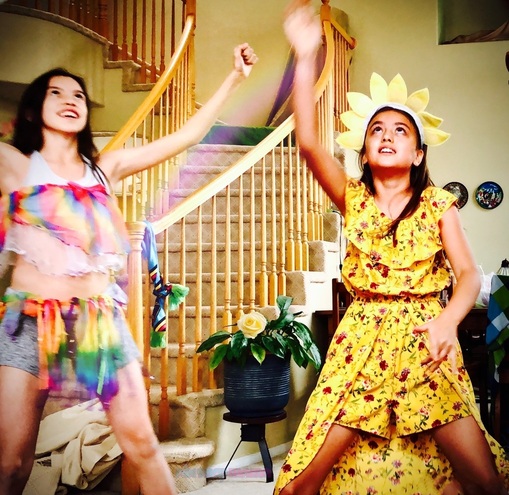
x,y
131,126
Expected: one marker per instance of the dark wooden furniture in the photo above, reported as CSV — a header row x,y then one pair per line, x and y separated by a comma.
x,y
253,430
471,335
500,403
472,338
330,318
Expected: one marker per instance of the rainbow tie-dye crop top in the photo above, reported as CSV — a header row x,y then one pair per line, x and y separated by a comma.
x,y
63,228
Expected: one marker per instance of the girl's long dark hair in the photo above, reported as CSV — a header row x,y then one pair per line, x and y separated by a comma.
x,y
28,136
419,177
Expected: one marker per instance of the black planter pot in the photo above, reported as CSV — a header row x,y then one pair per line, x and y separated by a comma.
x,y
257,390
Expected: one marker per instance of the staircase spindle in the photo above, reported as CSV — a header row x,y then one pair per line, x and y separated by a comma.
x,y
227,313
115,39
263,285
240,250
134,42
164,406
153,44
252,240
273,279
281,265
197,381
290,242
124,48
162,45
181,339
213,281
143,68
101,25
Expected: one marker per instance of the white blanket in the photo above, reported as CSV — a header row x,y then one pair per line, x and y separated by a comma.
x,y
78,444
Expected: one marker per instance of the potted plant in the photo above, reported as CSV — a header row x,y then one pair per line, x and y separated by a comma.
x,y
257,359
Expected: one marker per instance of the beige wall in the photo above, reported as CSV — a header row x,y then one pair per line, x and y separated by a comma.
x,y
47,45
222,24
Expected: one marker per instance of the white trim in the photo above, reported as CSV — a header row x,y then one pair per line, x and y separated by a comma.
x,y
247,460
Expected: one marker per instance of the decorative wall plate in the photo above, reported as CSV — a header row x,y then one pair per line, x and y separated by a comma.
x,y
489,195
459,190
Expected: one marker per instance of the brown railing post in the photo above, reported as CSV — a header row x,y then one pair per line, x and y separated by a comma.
x,y
134,43
124,31
153,44
191,7
102,18
162,44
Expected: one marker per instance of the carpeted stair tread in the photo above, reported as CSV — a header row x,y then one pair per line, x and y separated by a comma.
x,y
187,449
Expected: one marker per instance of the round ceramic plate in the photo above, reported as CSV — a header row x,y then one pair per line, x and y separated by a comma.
x,y
489,195
459,190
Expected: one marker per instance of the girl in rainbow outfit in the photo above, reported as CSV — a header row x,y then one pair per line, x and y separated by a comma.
x,y
64,236
393,410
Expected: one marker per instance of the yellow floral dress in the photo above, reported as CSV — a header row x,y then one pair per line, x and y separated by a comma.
x,y
372,379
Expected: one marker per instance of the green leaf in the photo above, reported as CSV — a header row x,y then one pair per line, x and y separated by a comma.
x,y
238,344
297,354
218,356
284,302
274,346
258,352
283,342
303,334
314,357
213,340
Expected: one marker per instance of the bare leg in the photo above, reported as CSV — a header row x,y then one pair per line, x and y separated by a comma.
x,y
465,446
129,418
311,479
453,488
21,406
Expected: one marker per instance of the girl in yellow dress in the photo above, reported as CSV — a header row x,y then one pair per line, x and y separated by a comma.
x,y
394,409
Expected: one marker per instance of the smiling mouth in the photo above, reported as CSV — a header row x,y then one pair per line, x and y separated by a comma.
x,y
387,151
69,114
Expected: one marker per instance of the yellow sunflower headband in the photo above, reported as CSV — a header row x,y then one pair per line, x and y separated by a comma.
x,y
393,95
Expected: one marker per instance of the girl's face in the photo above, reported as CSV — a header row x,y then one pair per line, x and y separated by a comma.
x,y
391,141
65,107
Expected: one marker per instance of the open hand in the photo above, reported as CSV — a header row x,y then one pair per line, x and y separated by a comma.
x,y
244,58
442,343
302,28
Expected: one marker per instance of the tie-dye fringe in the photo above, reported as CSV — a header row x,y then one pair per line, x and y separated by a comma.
x,y
79,332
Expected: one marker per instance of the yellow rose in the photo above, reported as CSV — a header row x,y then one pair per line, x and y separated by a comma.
x,y
252,324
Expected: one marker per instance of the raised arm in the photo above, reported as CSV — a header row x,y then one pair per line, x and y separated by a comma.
x,y
13,168
119,164
304,32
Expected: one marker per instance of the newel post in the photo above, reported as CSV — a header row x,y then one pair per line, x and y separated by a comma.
x,y
325,11
135,288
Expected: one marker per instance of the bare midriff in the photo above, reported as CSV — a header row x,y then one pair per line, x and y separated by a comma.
x,y
27,278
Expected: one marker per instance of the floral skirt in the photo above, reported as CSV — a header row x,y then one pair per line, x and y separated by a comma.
x,y
373,381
